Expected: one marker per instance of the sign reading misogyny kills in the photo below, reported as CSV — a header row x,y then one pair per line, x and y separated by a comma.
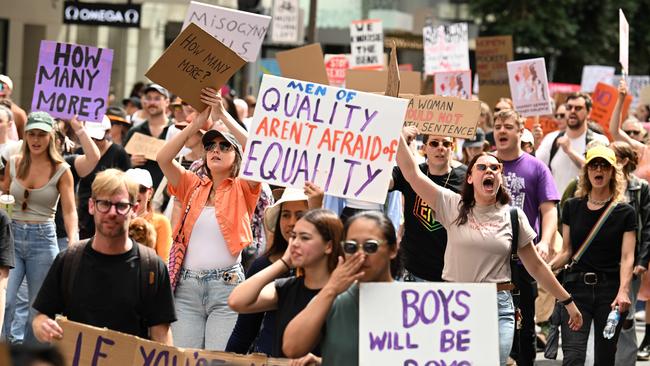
x,y
367,44
445,48
193,61
432,324
72,80
240,31
444,116
341,140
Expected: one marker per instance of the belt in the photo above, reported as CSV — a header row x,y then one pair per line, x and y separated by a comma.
x,y
505,286
590,278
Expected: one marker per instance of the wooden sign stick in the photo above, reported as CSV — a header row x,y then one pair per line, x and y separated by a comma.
x,y
392,84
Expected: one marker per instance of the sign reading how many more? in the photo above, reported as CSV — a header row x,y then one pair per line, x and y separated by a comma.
x,y
342,140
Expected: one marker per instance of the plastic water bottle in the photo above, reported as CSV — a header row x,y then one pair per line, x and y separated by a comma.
x,y
612,321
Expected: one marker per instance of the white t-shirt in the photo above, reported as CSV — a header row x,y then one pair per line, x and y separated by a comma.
x,y
479,250
207,248
564,170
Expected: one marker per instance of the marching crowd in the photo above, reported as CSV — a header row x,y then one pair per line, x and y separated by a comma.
x,y
183,251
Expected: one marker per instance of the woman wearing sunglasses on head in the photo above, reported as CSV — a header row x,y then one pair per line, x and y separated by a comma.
x,y
314,248
215,225
599,238
37,177
480,235
332,317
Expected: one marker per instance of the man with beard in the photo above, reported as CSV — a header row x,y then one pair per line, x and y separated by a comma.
x,y
108,281
155,101
564,151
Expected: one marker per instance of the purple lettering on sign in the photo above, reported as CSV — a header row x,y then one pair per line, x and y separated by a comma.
x,y
409,300
351,164
98,349
462,304
273,106
250,157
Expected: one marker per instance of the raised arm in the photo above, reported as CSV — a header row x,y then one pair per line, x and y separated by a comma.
x,y
214,99
165,157
84,164
615,122
422,185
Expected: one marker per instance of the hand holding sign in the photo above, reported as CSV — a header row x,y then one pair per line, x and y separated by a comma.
x,y
46,329
622,89
213,99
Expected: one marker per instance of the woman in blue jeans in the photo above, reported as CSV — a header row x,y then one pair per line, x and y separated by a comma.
x,y
37,177
480,235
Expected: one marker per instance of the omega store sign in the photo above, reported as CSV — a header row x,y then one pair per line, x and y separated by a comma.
x,y
115,15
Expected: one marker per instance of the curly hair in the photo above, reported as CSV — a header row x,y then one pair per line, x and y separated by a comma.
x,y
616,184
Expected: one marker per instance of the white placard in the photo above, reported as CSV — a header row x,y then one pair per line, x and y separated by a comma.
x,y
594,74
286,21
445,48
635,83
529,87
344,141
623,42
453,84
410,324
367,44
241,31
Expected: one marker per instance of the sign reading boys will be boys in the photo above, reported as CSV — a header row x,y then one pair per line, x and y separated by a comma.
x,y
72,80
430,324
342,140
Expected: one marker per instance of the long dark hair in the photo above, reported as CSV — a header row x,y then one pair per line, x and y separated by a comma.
x,y
467,200
279,244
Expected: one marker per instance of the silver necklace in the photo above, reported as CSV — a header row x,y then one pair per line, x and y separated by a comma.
x,y
598,203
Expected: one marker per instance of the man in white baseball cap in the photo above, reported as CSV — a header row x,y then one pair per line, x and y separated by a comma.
x,y
20,117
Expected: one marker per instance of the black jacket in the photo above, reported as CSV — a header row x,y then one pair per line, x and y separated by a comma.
x,y
638,193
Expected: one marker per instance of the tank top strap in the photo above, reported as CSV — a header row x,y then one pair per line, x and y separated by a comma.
x,y
12,167
59,172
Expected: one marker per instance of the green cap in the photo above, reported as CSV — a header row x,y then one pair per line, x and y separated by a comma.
x,y
39,121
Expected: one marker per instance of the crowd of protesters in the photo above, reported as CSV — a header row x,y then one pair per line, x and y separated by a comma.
x,y
183,251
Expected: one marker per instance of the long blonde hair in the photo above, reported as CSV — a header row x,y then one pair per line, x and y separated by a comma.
x,y
616,184
26,159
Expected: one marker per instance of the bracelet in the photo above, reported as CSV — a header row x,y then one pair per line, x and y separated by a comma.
x,y
567,301
285,263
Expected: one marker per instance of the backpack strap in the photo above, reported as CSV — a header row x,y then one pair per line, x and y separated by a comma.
x,y
71,262
514,223
554,149
148,271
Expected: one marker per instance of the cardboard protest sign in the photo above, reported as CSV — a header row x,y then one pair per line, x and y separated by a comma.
x,y
374,81
86,345
367,44
453,84
594,74
428,324
604,100
492,54
241,31
341,140
443,116
445,48
286,21
548,124
303,63
336,67
141,144
72,79
623,42
529,87
194,60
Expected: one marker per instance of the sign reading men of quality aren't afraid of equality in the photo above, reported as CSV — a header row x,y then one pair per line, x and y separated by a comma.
x,y
240,31
72,80
428,324
341,140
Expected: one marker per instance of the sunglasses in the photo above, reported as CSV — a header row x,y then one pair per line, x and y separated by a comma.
x,y
369,246
224,146
104,206
595,165
492,167
560,115
632,132
142,189
25,197
436,143
497,110
576,108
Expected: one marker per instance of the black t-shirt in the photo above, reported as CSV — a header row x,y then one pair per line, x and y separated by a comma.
x,y
150,165
604,252
293,297
6,242
425,240
115,157
106,293
58,217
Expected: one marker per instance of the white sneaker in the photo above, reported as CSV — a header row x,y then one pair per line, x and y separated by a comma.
x,y
640,316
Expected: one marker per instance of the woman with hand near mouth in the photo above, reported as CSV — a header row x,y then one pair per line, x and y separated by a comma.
x,y
314,247
599,238
37,177
480,235
215,225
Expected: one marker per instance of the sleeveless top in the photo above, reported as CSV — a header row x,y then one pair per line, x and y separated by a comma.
x,y
41,202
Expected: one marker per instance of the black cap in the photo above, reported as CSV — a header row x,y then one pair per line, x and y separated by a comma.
x,y
157,88
212,134
477,141
133,100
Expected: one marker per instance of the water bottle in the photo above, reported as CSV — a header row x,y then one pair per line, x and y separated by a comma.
x,y
612,321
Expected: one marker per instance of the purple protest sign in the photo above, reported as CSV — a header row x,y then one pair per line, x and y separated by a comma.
x,y
72,79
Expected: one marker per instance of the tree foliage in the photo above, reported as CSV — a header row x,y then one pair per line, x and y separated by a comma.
x,y
568,33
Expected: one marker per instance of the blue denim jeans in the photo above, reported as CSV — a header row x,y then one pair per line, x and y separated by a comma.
x,y
506,324
17,328
36,247
204,319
